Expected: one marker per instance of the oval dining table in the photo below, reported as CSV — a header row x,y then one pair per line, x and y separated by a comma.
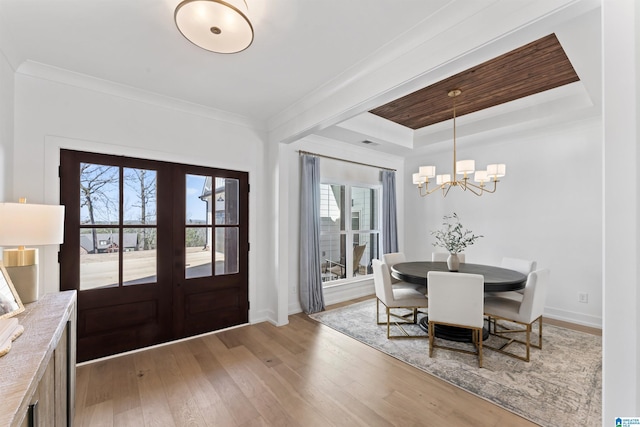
x,y
496,279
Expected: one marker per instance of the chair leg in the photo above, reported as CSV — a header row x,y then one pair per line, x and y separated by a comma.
x,y
398,321
528,329
492,321
476,340
431,334
478,334
528,342
540,332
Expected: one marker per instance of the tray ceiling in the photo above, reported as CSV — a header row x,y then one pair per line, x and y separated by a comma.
x,y
530,69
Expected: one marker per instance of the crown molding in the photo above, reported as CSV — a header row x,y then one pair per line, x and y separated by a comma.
x,y
70,78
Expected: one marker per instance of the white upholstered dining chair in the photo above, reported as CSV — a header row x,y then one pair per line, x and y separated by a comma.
x,y
455,299
524,313
394,299
394,258
523,266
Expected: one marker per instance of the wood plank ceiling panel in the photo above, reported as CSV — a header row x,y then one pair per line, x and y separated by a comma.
x,y
536,67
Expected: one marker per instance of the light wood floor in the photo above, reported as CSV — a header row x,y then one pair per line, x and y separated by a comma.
x,y
301,374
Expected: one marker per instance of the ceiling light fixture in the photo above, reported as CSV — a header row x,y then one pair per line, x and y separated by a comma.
x,y
215,25
462,167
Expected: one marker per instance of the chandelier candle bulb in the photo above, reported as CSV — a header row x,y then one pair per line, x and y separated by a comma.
x,y
427,171
497,170
481,177
465,166
443,179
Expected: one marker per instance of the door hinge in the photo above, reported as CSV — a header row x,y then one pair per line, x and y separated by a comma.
x,y
248,305
249,247
248,188
59,171
58,257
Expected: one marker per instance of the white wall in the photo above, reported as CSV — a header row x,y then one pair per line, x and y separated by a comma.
x,y
621,345
290,186
547,208
50,115
6,127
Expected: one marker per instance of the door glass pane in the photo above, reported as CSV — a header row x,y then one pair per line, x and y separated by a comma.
x,y
139,261
227,250
198,195
199,192
197,252
139,196
99,262
99,194
225,200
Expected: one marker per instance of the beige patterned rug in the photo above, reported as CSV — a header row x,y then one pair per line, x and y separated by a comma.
x,y
560,386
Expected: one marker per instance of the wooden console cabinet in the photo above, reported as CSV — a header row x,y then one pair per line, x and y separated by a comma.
x,y
38,375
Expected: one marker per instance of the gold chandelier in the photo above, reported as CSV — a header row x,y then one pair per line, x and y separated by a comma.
x,y
462,167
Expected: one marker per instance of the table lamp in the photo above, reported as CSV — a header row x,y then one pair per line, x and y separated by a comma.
x,y
21,225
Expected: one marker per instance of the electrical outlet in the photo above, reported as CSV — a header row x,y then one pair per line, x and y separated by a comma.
x,y
583,297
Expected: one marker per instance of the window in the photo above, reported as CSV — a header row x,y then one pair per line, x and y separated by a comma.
x,y
361,234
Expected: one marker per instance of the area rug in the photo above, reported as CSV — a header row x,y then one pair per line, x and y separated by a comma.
x,y
560,386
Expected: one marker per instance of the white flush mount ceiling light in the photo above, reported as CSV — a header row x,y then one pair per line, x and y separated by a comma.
x,y
460,167
215,25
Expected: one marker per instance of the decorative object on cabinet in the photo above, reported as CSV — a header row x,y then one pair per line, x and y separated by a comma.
x,y
28,224
10,329
10,303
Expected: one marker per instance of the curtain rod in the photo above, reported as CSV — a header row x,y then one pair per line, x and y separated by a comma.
x,y
343,160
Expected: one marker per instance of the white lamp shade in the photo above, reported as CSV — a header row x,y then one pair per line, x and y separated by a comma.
x,y
24,224
481,176
417,179
442,179
215,25
465,166
427,171
497,170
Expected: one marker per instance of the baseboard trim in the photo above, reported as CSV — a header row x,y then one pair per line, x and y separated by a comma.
x,y
573,317
340,293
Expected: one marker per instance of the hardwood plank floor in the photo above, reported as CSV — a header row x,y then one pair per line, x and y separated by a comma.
x,y
301,374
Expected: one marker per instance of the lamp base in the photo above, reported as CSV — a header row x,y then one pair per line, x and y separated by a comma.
x,y
19,257
25,280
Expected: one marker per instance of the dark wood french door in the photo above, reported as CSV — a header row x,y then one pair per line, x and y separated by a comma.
x,y
157,250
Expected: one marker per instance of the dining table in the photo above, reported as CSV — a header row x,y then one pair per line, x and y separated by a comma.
x,y
496,279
